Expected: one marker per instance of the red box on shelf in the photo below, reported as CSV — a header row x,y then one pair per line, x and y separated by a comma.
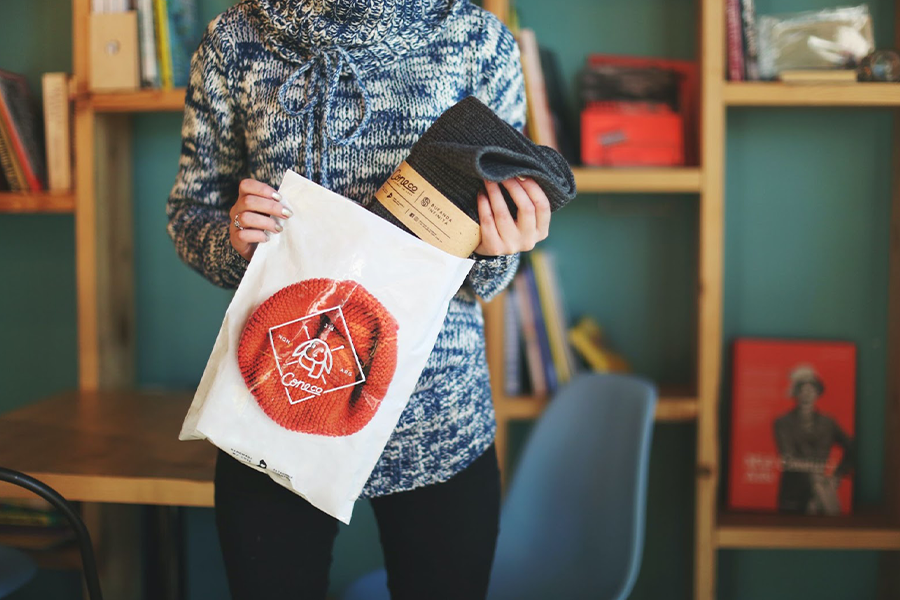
x,y
689,92
629,134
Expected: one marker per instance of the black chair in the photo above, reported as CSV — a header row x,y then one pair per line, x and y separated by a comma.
x,y
89,564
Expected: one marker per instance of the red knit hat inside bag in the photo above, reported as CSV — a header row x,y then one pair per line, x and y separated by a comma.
x,y
319,356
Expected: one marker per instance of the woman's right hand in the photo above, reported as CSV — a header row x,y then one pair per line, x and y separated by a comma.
x,y
257,203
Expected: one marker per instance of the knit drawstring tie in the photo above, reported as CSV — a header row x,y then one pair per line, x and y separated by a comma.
x,y
325,65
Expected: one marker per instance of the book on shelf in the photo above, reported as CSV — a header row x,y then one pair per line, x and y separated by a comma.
x,y
147,39
32,524
587,339
742,41
57,128
549,296
540,325
539,121
792,426
735,40
30,512
512,347
750,40
538,355
566,142
22,154
177,37
528,326
12,171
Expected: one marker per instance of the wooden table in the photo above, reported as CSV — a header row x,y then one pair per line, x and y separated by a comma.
x,y
110,447
108,450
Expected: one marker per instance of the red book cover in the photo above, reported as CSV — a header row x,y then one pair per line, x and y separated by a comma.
x,y
20,120
734,33
792,427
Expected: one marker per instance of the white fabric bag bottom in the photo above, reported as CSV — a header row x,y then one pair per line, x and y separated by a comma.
x,y
302,364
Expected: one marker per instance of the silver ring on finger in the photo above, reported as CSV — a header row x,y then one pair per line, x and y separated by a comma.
x,y
237,222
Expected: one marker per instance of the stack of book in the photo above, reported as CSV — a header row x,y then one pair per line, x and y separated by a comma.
x,y
35,158
743,40
538,356
32,524
168,33
540,353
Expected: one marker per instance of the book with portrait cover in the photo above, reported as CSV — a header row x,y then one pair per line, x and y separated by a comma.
x,y
792,426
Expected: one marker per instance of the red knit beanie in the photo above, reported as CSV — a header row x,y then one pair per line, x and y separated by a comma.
x,y
319,356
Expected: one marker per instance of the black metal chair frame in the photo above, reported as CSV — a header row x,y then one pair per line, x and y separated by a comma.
x,y
89,563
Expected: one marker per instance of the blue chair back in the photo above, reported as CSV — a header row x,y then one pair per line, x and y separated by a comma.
x,y
572,524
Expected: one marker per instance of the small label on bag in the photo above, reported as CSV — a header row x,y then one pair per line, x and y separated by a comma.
x,y
428,213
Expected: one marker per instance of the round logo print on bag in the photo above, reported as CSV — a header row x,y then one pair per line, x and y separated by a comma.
x,y
319,356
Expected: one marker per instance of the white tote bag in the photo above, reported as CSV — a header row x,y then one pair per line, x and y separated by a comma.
x,y
322,346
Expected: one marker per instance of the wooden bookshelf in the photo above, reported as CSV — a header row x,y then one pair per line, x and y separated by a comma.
x,y
780,94
638,180
41,202
867,531
140,101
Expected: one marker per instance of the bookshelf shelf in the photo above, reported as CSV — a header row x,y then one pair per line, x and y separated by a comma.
x,y
638,180
864,531
779,94
139,101
42,202
668,408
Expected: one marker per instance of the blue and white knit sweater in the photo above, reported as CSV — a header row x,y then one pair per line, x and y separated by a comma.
x,y
339,91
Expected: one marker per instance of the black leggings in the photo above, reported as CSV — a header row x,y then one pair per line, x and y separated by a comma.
x,y
438,540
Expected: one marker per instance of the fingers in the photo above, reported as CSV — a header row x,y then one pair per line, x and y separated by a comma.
x,y
257,209
500,233
491,244
252,187
250,236
252,220
541,206
503,220
261,205
525,219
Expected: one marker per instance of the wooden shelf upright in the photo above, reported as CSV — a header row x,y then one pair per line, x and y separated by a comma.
x,y
701,403
872,530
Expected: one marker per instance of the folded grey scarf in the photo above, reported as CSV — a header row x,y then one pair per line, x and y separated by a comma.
x,y
468,144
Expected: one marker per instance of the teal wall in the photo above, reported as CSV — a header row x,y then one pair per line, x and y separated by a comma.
x,y
806,256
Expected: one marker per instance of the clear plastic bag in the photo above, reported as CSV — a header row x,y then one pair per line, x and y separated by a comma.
x,y
824,39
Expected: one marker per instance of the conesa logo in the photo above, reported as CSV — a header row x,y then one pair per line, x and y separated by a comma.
x,y
315,355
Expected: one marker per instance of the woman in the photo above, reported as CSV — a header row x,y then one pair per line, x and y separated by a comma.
x,y
805,438
339,91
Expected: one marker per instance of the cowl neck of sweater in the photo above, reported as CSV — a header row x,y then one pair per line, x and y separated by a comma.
x,y
371,32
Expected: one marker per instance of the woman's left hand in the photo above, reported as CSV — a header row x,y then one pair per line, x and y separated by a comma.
x,y
500,233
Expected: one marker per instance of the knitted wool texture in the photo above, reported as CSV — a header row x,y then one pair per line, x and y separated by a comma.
x,y
279,85
469,144
362,331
